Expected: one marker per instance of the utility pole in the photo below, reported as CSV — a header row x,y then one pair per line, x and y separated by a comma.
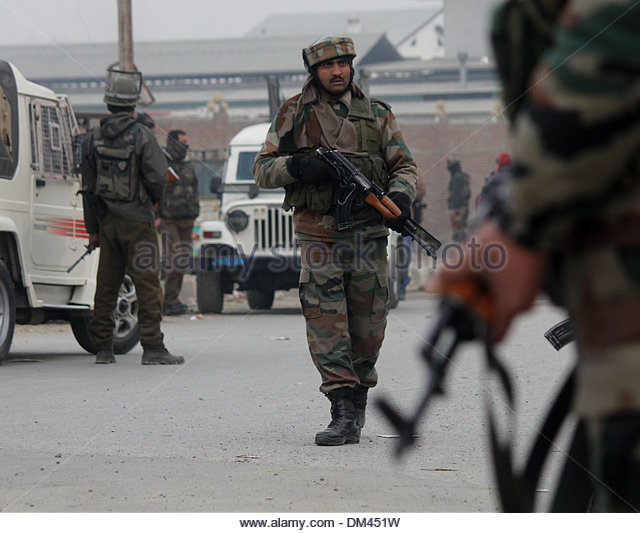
x,y
125,48
125,36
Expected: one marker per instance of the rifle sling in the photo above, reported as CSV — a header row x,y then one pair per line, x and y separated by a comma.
x,y
517,489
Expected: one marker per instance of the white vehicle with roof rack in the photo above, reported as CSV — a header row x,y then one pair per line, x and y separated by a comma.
x,y
42,231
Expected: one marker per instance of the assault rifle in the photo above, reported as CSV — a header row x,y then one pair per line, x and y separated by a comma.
x,y
87,252
352,181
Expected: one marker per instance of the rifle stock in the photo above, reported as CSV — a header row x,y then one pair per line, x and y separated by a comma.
x,y
376,198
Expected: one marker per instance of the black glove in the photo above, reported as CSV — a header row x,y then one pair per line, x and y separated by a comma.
x,y
404,204
309,169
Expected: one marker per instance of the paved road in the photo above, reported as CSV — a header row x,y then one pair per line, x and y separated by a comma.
x,y
232,429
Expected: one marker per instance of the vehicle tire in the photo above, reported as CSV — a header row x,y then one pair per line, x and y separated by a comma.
x,y
260,299
127,331
209,291
7,311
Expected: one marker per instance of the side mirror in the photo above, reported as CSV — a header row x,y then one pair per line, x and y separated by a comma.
x,y
215,184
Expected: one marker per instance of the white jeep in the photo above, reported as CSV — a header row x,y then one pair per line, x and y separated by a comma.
x,y
42,231
252,245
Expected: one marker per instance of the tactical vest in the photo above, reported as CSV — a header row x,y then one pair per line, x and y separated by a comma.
x,y
324,196
521,31
180,199
117,173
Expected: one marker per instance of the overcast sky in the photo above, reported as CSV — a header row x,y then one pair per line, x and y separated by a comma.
x,y
78,21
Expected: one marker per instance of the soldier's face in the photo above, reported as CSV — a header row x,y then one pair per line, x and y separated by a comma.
x,y
335,76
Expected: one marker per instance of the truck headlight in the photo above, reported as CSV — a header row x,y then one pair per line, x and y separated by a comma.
x,y
237,220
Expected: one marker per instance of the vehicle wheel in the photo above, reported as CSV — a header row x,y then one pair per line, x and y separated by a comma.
x,y
126,333
7,311
260,299
209,291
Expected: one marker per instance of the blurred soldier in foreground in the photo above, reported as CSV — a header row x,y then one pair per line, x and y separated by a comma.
x,y
343,281
177,212
458,201
572,213
124,173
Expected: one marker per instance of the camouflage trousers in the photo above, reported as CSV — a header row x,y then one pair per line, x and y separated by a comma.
x,y
458,219
177,253
602,286
345,302
131,248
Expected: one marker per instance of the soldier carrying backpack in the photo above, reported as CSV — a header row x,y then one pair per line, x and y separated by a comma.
x,y
124,172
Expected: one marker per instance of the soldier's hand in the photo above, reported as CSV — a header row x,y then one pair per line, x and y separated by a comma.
x,y
512,274
309,169
94,241
404,204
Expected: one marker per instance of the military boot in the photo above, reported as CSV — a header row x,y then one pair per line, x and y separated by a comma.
x,y
343,428
160,356
360,403
104,357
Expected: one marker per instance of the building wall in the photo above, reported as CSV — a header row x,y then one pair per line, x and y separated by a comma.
x,y
424,44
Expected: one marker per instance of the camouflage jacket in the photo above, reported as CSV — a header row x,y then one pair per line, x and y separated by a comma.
x,y
577,138
180,199
307,121
151,163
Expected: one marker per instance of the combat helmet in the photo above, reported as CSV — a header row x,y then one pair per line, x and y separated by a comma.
x,y
122,88
327,48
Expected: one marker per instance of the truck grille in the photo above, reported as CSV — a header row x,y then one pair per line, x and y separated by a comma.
x,y
273,227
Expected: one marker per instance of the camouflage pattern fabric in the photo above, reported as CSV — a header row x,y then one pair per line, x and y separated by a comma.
x,y
176,245
576,190
328,48
345,307
307,121
345,302
180,198
459,219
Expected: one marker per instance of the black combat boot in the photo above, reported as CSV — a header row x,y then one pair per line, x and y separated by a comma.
x,y
160,356
343,428
360,403
104,357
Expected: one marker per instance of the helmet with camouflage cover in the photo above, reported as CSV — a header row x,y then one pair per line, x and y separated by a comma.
x,y
122,88
327,48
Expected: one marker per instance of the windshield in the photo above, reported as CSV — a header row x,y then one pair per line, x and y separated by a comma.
x,y
245,161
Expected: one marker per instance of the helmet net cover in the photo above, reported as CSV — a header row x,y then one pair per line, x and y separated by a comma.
x,y
327,48
122,88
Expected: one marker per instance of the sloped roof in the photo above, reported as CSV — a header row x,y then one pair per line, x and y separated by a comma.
x,y
398,24
179,58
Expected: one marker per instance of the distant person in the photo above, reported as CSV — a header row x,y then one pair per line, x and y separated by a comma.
x,y
458,201
176,213
496,180
124,173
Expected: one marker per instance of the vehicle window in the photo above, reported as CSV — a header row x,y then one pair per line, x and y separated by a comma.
x,y
245,162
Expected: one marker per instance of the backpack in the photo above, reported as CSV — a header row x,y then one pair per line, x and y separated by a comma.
x,y
116,168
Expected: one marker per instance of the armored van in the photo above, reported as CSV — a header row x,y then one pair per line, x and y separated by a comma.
x,y
42,231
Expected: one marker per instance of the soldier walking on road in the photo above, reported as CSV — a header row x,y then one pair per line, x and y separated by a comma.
x,y
177,212
124,173
343,281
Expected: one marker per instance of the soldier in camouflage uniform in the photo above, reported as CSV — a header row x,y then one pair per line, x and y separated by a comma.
x,y
458,201
177,212
124,173
343,281
575,196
